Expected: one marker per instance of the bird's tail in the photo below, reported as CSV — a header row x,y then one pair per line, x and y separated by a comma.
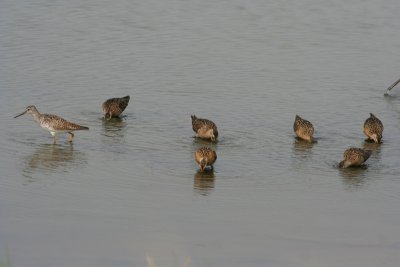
x,y
83,128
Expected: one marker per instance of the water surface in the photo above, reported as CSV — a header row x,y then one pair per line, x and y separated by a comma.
x,y
130,188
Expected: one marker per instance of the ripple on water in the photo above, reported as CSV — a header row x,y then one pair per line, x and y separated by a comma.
x,y
50,158
250,69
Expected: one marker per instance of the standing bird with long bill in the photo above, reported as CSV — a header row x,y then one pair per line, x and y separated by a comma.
x,y
52,123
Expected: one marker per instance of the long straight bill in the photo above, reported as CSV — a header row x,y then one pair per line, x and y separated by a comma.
x,y
20,114
391,86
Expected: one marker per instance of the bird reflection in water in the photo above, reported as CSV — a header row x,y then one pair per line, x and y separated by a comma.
x,y
353,177
115,128
203,182
204,142
49,158
374,147
302,150
113,135
301,146
376,155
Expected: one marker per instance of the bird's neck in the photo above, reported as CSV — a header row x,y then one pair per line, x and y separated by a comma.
x,y
36,116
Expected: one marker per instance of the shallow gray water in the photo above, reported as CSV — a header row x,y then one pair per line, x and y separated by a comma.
x,y
130,188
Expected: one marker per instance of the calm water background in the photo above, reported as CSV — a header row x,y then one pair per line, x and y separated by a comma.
x,y
130,188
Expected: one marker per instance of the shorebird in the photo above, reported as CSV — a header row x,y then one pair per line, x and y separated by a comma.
x,y
391,87
303,129
113,107
373,128
53,123
205,156
354,157
204,128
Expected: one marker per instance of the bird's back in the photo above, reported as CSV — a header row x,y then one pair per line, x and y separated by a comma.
x,y
303,128
206,152
116,105
198,123
356,155
374,125
56,123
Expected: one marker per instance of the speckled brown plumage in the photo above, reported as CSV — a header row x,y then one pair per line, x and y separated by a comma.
x,y
205,156
113,107
373,128
303,129
204,128
56,123
52,123
354,157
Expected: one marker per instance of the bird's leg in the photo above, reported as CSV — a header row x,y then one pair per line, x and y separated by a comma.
x,y
71,137
54,137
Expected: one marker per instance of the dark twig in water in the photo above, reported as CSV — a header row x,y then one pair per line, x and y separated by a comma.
x,y
391,86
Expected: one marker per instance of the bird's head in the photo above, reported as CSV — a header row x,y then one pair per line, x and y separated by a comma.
x,y
203,164
29,109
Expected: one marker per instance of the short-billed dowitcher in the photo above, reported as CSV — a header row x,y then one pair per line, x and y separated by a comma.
x,y
373,128
205,156
113,107
354,157
303,129
53,123
204,128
